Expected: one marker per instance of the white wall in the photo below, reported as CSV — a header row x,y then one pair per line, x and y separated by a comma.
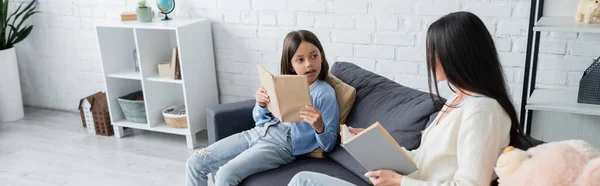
x,y
60,63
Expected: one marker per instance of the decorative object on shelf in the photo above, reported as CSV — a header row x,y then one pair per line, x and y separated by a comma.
x,y
587,10
136,65
175,116
128,16
170,68
14,28
175,70
95,115
143,12
164,69
133,107
589,85
177,66
166,7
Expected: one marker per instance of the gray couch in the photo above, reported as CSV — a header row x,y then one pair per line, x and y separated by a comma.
x,y
403,111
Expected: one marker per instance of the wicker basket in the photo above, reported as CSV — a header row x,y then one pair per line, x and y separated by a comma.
x,y
175,116
133,108
589,85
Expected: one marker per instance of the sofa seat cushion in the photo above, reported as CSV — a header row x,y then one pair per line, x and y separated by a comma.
x,y
283,175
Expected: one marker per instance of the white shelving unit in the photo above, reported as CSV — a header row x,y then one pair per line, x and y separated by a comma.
x,y
557,113
557,100
564,24
154,42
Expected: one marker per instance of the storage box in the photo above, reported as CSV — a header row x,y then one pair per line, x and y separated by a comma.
x,y
128,16
589,85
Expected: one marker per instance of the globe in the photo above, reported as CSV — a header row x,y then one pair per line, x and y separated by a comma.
x,y
166,7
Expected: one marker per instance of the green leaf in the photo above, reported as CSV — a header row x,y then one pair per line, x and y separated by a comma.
x,y
12,32
2,18
23,34
16,11
3,12
15,18
28,8
29,14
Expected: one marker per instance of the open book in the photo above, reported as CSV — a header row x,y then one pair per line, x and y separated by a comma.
x,y
375,149
288,94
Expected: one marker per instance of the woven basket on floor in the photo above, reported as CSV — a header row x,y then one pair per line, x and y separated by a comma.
x,y
175,116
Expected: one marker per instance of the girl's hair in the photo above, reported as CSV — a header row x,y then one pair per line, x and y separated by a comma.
x,y
290,45
470,61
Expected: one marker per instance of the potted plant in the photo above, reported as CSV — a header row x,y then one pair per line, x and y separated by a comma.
x,y
12,31
143,12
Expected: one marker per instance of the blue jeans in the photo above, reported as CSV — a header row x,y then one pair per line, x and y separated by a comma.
x,y
241,155
316,179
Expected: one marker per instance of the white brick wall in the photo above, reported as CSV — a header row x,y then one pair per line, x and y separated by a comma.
x,y
60,62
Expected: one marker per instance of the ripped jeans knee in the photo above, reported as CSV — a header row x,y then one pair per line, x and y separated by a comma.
x,y
202,153
198,161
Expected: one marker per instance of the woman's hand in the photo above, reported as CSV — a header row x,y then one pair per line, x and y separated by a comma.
x,y
355,131
262,98
313,117
384,178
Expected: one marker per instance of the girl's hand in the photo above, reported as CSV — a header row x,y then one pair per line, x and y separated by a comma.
x,y
313,117
384,178
355,131
262,97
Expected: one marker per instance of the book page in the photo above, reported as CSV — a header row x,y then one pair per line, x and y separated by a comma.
x,y
376,150
346,134
267,82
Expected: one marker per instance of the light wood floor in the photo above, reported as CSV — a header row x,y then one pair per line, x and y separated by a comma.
x,y
52,148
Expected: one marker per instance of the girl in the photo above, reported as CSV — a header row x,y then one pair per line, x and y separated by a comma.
x,y
273,143
462,144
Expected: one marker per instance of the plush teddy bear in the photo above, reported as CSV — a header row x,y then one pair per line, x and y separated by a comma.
x,y
563,163
587,10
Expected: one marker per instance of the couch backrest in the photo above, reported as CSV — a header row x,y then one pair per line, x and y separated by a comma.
x,y
403,111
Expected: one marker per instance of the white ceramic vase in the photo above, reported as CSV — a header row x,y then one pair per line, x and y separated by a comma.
x,y
11,100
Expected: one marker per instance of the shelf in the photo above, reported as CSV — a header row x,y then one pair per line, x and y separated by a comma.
x,y
164,128
127,75
560,101
155,24
565,24
144,126
165,79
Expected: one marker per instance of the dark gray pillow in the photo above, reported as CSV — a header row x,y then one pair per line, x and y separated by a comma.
x,y
402,111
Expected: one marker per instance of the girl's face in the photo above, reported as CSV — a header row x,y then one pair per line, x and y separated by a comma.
x,y
439,71
307,61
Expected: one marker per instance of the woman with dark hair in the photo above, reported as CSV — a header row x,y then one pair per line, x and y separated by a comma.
x,y
462,144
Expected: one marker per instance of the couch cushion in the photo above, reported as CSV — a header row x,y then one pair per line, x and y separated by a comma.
x,y
403,111
283,175
345,95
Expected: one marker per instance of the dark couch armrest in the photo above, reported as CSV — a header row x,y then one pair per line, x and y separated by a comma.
x,y
227,119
